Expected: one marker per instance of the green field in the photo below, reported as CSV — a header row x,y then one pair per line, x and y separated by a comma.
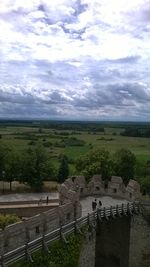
x,y
75,139
21,136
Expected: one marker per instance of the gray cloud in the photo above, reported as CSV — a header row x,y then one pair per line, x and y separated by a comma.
x,y
71,59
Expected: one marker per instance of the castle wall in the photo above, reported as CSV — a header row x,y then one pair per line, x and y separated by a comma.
x,y
19,233
27,210
112,243
87,253
139,242
115,188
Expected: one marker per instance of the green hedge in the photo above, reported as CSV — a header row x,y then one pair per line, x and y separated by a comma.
x,y
7,219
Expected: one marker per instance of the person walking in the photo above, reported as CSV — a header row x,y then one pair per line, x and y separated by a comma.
x,y
93,205
47,200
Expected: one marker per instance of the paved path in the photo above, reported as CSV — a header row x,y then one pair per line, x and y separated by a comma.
x,y
28,196
86,202
19,206
106,202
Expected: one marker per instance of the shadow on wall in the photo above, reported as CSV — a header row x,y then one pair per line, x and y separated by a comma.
x,y
112,243
108,261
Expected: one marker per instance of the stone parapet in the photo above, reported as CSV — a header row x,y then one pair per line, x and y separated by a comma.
x,y
96,186
20,233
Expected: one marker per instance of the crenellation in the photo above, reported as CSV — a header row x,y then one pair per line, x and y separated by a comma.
x,y
115,188
69,209
81,186
31,228
133,190
96,185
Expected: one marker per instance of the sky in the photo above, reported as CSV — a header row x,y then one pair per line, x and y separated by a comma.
x,y
75,59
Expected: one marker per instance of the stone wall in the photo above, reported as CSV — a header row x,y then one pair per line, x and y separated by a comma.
x,y
139,242
113,235
19,233
27,210
87,253
96,186
112,242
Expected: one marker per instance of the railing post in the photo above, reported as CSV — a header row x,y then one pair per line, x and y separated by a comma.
x,y
136,207
90,223
128,209
94,220
44,245
62,236
77,229
27,254
88,218
99,218
105,215
111,212
117,211
2,264
123,210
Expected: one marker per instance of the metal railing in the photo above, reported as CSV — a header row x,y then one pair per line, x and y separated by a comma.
x,y
25,251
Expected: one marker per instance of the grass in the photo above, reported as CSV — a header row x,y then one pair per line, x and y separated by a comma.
x,y
109,141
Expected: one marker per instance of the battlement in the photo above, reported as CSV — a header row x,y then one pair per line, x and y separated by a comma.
x,y
29,229
96,186
69,209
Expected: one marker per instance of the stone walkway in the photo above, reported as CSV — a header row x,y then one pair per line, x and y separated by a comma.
x,y
86,202
106,202
28,196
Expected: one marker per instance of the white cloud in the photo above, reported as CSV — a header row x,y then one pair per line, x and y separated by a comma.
x,y
76,53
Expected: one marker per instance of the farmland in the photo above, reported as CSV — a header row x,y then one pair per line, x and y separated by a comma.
x,y
73,139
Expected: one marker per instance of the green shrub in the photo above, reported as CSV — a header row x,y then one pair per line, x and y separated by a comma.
x,y
60,255
7,220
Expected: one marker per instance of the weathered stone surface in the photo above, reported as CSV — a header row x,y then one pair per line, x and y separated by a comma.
x,y
112,243
14,236
69,183
139,242
116,187
87,254
19,233
133,190
81,185
96,185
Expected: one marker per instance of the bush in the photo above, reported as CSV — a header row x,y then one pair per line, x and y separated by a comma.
x,y
7,220
61,254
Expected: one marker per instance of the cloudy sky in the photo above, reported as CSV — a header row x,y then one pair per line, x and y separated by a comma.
x,y
75,59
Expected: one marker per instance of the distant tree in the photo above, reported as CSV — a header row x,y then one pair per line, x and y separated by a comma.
x,y
95,162
145,184
124,162
40,130
3,150
63,171
12,166
36,167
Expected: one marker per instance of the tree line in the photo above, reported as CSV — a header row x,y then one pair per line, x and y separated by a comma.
x,y
121,163
136,132
31,166
34,165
